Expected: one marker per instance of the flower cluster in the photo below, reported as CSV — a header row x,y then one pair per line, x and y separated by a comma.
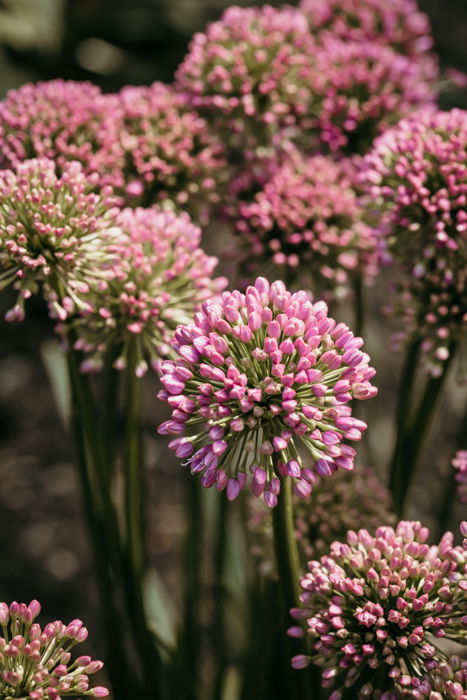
x,y
256,374
398,24
306,214
349,499
416,176
52,230
35,662
360,88
460,463
62,120
155,276
251,71
375,606
170,152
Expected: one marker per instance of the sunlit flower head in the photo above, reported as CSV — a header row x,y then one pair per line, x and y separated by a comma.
x,y
303,218
170,151
415,178
155,277
251,71
258,374
52,230
362,88
62,120
35,661
375,606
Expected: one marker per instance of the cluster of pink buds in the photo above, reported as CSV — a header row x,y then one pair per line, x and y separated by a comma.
x,y
460,464
348,500
257,374
361,88
52,230
251,72
398,24
154,277
304,218
375,606
35,662
416,178
170,152
62,120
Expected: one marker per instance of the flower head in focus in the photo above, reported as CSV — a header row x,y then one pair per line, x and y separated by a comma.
x,y
415,177
64,121
460,464
52,230
304,217
251,72
360,89
258,374
347,500
170,151
375,606
155,276
35,662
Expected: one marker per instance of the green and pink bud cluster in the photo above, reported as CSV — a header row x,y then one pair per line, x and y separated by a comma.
x,y
52,233
35,661
375,606
154,277
257,375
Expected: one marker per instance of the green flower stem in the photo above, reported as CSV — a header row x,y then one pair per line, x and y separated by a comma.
x,y
404,403
450,492
419,428
219,646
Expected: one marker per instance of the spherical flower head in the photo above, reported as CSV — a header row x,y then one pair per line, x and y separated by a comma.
x,y
360,89
62,120
51,232
251,71
347,500
170,152
376,606
258,374
415,177
35,661
398,24
460,464
156,277
305,217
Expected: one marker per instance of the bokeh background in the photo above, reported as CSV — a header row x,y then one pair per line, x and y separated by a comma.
x,y
42,543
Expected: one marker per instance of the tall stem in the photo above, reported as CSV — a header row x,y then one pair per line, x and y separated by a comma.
x,y
219,646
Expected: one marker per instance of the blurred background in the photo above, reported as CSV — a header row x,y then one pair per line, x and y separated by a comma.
x,y
42,542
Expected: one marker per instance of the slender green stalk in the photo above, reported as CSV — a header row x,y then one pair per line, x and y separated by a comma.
x,y
419,428
404,403
219,645
449,494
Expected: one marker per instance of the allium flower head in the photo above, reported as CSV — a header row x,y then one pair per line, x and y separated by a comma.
x,y
51,232
360,89
257,374
62,120
416,176
460,464
156,276
250,71
35,662
375,606
170,151
398,24
347,500
305,217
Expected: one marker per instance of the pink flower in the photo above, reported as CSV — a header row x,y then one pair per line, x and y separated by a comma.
x,y
460,463
62,120
52,230
377,601
416,179
302,215
35,662
259,366
170,152
154,276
